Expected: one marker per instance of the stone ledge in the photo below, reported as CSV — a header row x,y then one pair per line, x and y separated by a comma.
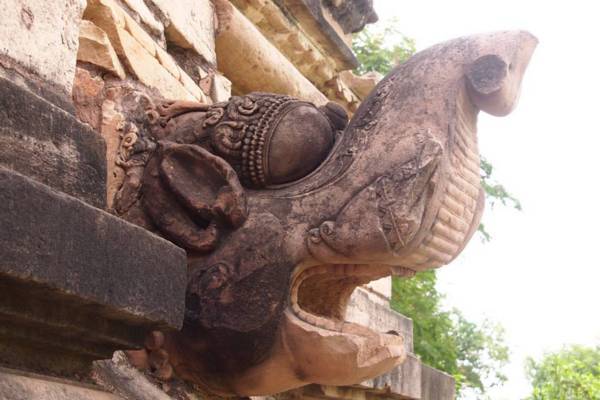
x,y
152,65
363,309
77,283
403,382
436,385
410,381
50,145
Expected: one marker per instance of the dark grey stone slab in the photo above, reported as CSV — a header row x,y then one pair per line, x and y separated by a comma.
x,y
42,141
77,283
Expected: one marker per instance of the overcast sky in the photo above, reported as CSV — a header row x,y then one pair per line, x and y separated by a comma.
x,y
540,275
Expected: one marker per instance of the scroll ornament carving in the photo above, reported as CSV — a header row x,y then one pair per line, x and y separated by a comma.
x,y
284,210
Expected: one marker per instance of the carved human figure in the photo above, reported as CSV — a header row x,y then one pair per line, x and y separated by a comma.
x,y
283,217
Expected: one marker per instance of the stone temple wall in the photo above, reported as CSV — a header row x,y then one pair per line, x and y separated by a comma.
x,y
79,284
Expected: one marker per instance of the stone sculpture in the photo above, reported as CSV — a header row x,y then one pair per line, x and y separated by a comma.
x,y
284,212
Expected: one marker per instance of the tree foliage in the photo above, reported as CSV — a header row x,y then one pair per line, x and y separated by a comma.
x,y
474,354
494,193
380,50
572,373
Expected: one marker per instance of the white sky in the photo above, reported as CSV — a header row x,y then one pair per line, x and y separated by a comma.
x,y
540,275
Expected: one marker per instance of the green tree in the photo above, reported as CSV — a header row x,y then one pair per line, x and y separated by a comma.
x,y
474,354
380,50
572,373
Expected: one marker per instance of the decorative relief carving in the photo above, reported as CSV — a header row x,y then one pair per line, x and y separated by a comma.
x,y
283,215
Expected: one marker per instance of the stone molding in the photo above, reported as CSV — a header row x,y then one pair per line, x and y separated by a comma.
x,y
189,24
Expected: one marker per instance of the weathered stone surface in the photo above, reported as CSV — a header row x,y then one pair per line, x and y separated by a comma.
x,y
411,380
41,140
361,85
120,377
95,48
436,385
41,37
78,283
150,64
146,16
17,385
252,63
337,90
190,24
290,39
403,382
220,88
149,70
168,62
112,120
365,309
88,95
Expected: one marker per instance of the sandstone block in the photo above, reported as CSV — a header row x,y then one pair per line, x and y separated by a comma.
x,y
95,48
149,70
220,88
361,85
189,84
190,25
145,15
168,62
436,385
366,310
152,66
140,35
403,382
41,38
383,287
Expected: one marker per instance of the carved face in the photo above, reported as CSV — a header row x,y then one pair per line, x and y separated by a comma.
x,y
398,193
